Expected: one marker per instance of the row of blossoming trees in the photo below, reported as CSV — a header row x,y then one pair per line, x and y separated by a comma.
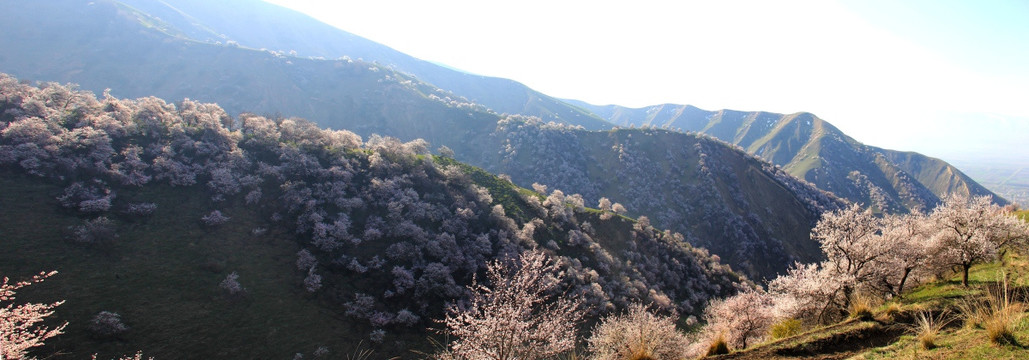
x,y
866,256
871,257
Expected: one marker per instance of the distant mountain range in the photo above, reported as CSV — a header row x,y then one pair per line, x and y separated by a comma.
x,y
814,150
238,53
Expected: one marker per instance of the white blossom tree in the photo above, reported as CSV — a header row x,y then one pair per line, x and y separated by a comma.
x,y
515,317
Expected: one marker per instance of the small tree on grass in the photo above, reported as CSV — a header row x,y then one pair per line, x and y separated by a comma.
x,y
19,331
971,231
854,248
515,318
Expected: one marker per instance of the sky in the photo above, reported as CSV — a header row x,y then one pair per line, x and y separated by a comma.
x,y
946,78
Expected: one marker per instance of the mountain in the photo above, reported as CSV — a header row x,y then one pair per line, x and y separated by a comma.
x,y
750,213
244,238
102,45
813,149
260,25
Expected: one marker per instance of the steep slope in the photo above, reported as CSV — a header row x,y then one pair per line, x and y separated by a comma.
x,y
260,25
244,238
812,149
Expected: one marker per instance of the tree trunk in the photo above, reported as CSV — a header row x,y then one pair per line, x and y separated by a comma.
x,y
964,277
903,279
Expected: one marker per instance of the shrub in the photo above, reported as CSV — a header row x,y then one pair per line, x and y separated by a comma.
x,y
377,336
321,351
141,209
638,334
313,281
231,284
96,231
138,356
215,218
107,324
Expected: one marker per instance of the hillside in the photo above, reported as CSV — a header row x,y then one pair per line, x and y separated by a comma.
x,y
257,238
812,149
750,213
367,99
217,30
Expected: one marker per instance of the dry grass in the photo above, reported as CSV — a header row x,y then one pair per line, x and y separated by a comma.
x,y
890,311
718,346
927,327
785,328
996,312
861,308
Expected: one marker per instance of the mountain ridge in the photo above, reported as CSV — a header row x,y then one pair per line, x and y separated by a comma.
x,y
288,31
815,150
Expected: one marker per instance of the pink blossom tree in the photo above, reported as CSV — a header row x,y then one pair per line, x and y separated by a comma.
x,y
743,318
972,230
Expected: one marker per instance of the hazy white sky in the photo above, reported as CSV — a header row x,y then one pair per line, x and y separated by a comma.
x,y
946,78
